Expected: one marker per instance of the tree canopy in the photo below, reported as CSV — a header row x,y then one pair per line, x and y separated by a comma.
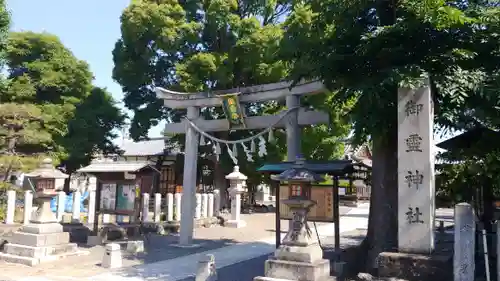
x,y
206,46
365,50
50,105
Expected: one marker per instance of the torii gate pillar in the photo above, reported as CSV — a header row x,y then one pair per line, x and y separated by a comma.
x,y
292,129
189,179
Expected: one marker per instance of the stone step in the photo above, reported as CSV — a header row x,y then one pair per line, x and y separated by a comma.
x,y
263,278
39,240
294,270
39,252
36,261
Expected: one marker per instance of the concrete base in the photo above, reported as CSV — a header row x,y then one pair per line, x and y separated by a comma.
x,y
263,278
94,240
415,267
33,261
235,224
308,254
38,243
293,270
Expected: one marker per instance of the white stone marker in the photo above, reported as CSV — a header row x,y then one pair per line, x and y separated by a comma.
x,y
217,201
135,246
464,247
77,196
236,182
145,207
206,269
61,204
178,198
91,209
157,210
112,256
28,206
210,205
204,205
11,207
415,171
197,210
170,207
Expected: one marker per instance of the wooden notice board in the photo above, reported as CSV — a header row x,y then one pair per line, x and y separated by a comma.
x,y
321,212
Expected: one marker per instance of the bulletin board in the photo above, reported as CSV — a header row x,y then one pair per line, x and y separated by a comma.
x,y
321,212
118,198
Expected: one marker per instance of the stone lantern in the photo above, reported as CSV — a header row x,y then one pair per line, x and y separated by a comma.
x,y
299,257
43,239
237,183
43,180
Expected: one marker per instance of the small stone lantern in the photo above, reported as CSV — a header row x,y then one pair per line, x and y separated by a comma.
x,y
299,181
298,257
43,180
237,183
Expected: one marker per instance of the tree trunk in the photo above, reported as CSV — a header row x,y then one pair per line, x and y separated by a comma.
x,y
382,222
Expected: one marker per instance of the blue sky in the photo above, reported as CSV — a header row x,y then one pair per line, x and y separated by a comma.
x,y
88,28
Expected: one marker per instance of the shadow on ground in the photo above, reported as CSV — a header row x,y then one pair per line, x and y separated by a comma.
x,y
184,267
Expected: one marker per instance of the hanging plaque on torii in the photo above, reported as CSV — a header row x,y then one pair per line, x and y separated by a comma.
x,y
194,126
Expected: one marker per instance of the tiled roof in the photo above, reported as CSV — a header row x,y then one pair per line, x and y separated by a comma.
x,y
101,167
146,148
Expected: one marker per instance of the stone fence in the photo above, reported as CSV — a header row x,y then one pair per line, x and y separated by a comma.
x,y
207,206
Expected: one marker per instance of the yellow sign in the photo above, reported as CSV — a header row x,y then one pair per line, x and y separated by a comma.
x,y
321,212
232,109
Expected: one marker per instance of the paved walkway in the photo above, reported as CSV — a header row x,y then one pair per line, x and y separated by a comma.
x,y
251,253
184,267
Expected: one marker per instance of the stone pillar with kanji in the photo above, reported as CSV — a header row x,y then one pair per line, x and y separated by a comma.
x,y
43,239
236,188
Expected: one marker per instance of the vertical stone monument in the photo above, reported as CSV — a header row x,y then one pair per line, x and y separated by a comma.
x,y
43,239
415,171
299,257
415,258
236,188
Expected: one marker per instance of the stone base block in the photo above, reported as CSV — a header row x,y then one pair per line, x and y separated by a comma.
x,y
309,254
94,240
292,270
415,267
39,252
135,246
42,228
30,261
39,240
263,278
235,224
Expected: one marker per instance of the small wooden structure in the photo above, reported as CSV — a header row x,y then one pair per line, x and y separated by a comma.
x,y
120,186
327,199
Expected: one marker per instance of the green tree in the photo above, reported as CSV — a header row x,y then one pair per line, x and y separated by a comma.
x,y
44,74
204,46
365,50
93,128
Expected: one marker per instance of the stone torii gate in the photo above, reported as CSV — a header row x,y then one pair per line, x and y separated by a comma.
x,y
194,101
